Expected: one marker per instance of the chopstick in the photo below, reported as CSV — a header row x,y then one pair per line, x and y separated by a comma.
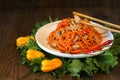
x,y
102,27
100,21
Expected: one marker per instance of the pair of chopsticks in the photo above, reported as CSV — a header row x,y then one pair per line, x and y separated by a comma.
x,y
116,27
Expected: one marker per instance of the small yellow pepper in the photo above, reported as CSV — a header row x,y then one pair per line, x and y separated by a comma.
x,y
32,54
50,65
21,41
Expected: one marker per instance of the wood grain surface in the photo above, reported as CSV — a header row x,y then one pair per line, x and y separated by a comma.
x,y
16,22
57,3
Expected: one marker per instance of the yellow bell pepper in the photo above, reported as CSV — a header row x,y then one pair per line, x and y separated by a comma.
x,y
50,65
21,41
32,54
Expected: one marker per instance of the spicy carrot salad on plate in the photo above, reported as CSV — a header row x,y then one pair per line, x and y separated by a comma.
x,y
74,37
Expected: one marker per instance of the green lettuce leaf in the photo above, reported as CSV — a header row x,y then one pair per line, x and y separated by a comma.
x,y
75,67
106,61
89,66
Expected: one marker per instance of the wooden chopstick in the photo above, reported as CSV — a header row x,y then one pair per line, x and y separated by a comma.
x,y
100,21
102,27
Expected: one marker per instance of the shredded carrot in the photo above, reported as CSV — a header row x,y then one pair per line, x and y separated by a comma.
x,y
74,37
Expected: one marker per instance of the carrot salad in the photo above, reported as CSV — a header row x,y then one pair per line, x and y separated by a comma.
x,y
74,38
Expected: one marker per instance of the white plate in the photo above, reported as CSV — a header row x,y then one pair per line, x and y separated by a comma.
x,y
43,33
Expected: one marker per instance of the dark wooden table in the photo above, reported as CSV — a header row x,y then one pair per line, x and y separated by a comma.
x,y
18,22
